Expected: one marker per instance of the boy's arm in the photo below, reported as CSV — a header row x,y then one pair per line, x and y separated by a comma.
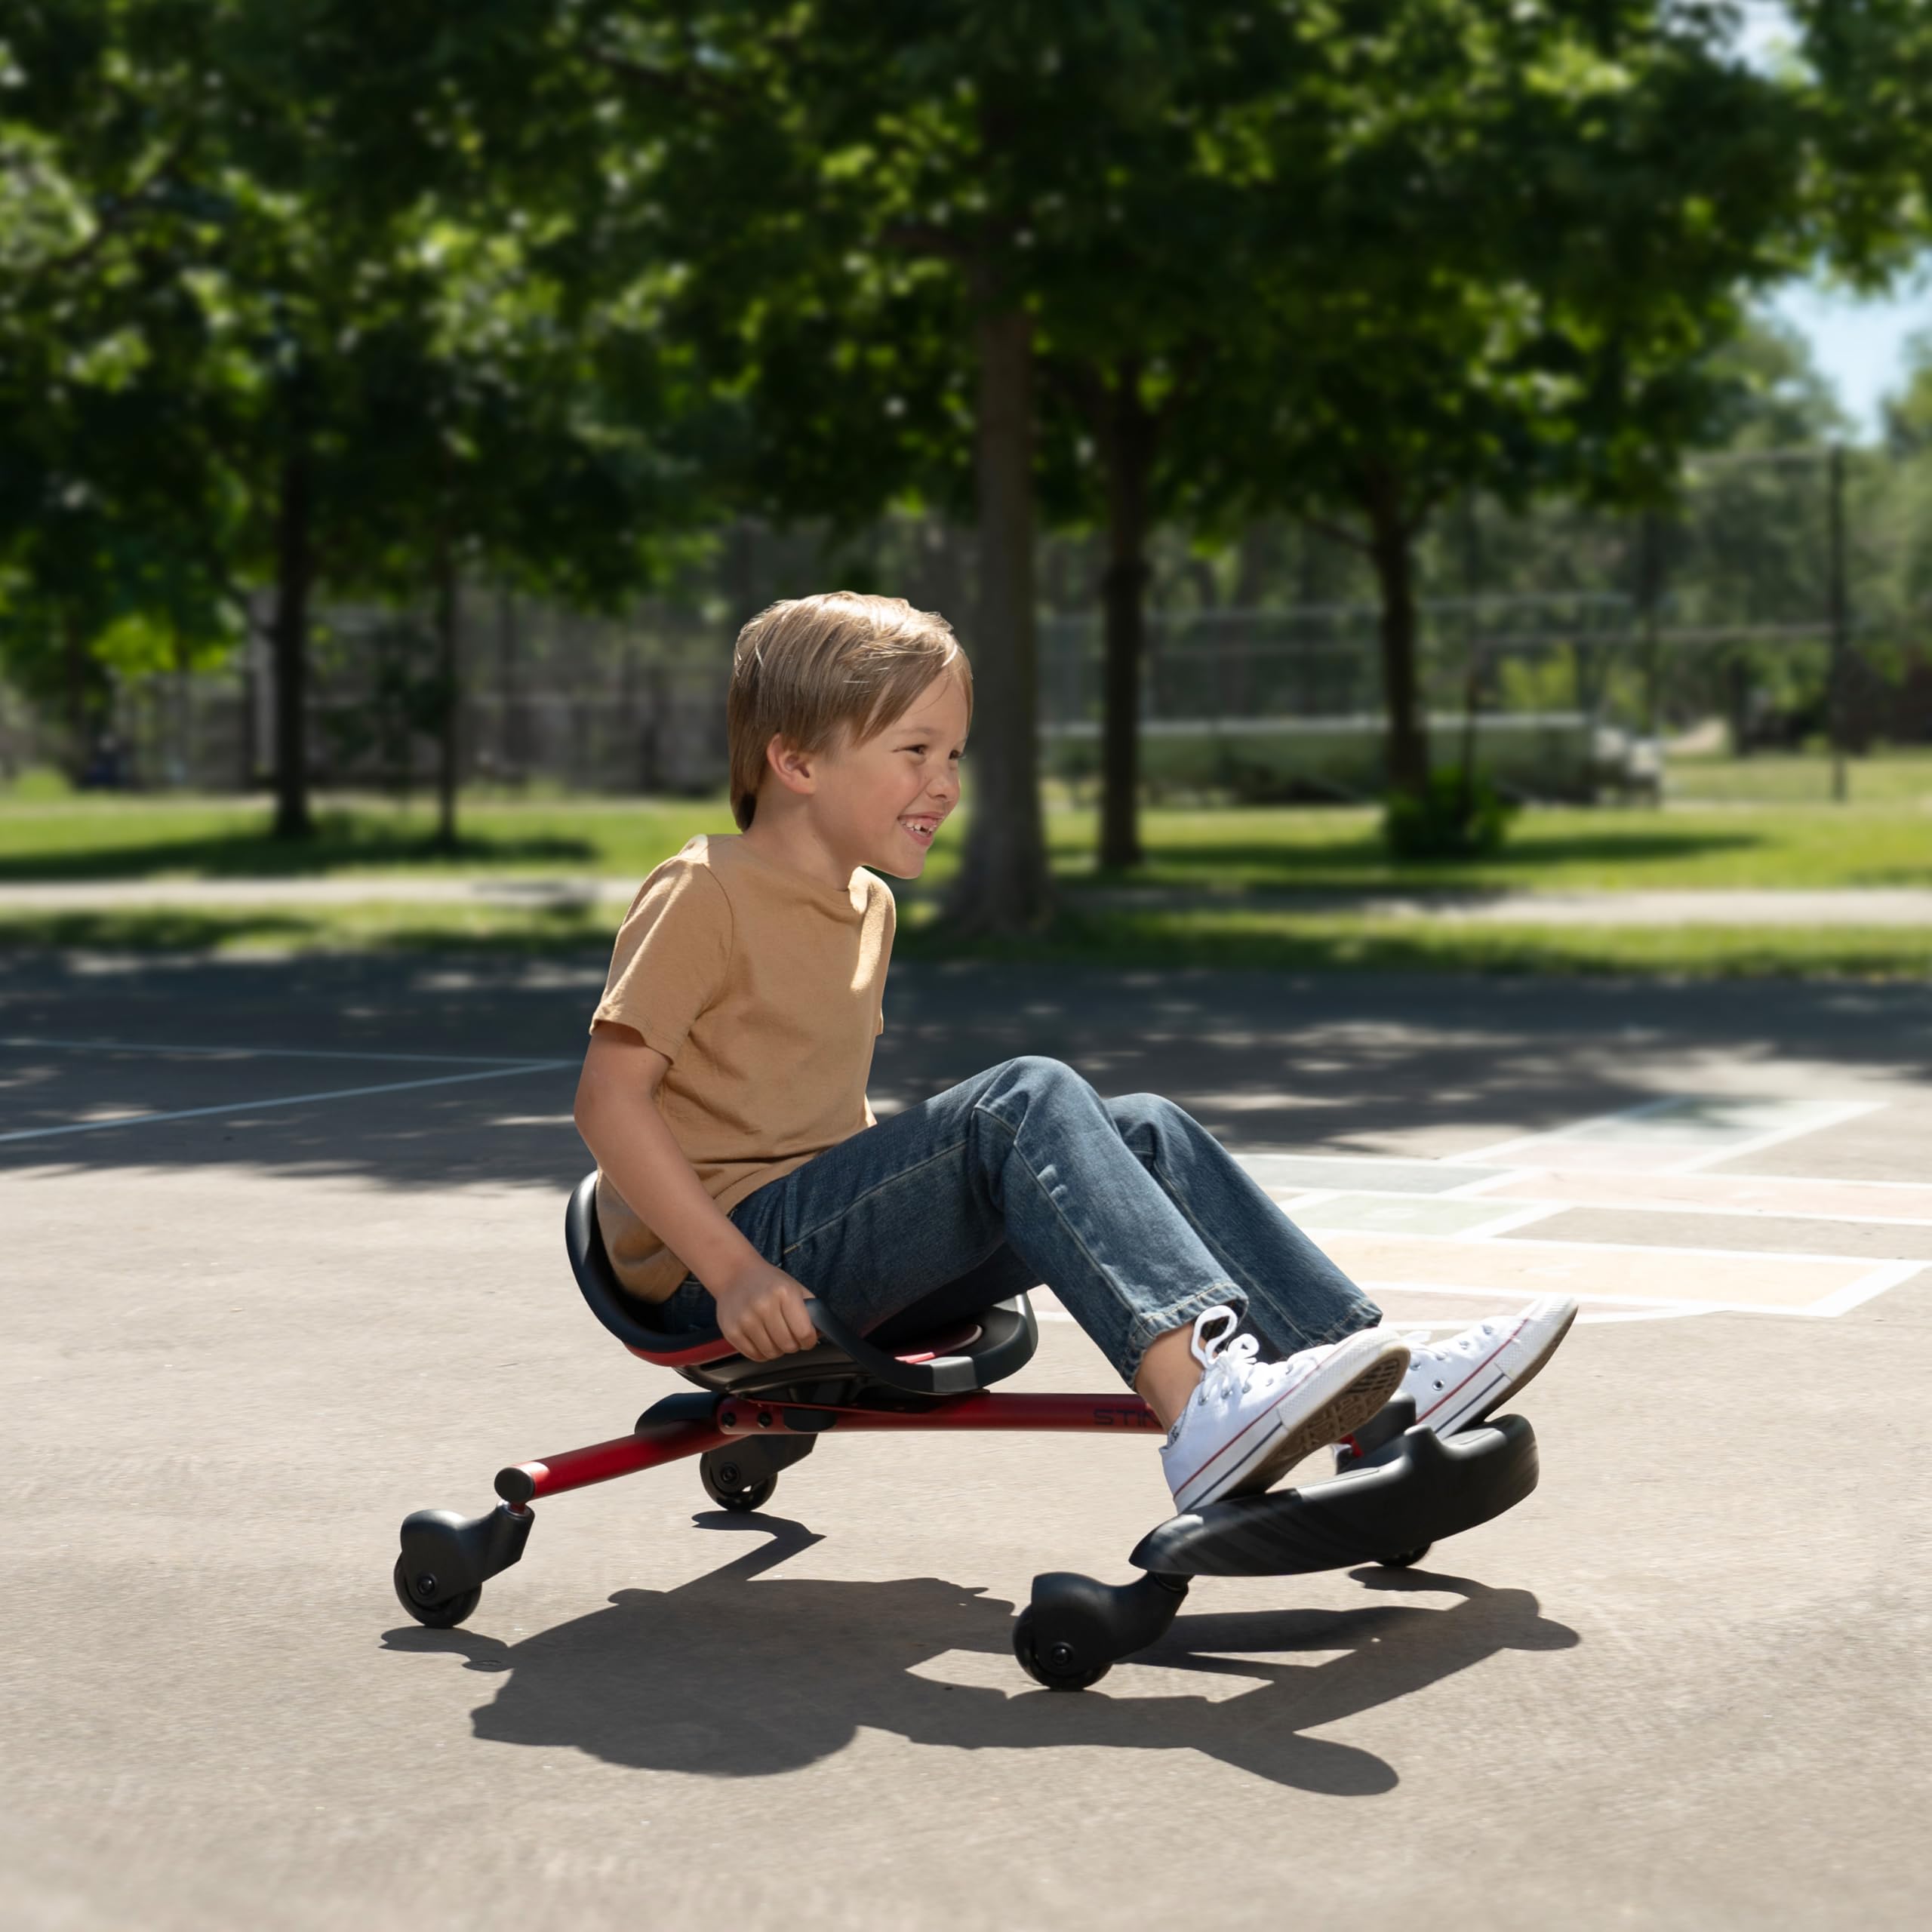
x,y
761,1309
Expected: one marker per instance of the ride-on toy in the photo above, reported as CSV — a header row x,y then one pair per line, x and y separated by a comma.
x,y
1400,1487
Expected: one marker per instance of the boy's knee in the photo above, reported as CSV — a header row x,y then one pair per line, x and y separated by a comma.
x,y
1143,1117
1037,1075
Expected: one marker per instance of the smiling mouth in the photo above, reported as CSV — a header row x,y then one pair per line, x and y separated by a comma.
x,y
920,831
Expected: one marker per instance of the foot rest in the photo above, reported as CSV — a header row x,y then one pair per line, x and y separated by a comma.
x,y
1420,1488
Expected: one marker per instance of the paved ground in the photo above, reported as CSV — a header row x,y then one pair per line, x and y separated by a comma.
x,y
1685,1685
1876,905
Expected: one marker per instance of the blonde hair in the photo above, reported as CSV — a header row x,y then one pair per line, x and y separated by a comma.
x,y
809,668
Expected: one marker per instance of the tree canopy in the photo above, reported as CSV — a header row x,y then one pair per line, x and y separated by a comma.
x,y
317,294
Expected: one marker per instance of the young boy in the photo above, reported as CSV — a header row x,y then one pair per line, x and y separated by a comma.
x,y
740,1169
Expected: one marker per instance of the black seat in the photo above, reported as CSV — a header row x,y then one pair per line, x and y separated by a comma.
x,y
1000,1340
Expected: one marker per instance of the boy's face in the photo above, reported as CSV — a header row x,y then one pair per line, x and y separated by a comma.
x,y
881,800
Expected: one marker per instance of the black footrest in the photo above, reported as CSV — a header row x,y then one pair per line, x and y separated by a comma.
x,y
1427,1488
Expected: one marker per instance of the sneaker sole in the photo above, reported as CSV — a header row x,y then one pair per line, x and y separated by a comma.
x,y
1360,1397
1498,1382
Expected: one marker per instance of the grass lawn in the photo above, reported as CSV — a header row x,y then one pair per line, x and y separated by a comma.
x,y
1889,777
1331,848
1247,864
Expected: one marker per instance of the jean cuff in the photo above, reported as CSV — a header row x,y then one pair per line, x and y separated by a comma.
x,y
1149,1324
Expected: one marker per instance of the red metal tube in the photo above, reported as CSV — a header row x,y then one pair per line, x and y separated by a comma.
x,y
623,1456
1126,1415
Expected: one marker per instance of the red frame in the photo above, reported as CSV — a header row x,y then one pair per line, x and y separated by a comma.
x,y
657,1443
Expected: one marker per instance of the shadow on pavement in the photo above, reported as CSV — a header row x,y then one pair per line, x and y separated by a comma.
x,y
1266,1061
1365,862
720,1679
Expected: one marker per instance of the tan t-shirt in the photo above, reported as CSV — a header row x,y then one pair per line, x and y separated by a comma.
x,y
763,988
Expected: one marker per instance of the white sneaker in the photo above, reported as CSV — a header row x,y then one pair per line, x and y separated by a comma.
x,y
1250,1420
1457,1382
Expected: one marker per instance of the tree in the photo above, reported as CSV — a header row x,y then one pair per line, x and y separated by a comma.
x,y
298,238
1866,71
1528,232
108,510
1134,313
877,202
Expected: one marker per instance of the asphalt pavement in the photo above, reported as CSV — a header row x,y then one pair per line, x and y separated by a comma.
x,y
282,1261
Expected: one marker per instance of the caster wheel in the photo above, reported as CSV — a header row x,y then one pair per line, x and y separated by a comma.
x,y
440,1613
1403,1558
1060,1667
724,1483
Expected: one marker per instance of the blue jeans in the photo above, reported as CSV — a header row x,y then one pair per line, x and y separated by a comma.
x,y
1129,1210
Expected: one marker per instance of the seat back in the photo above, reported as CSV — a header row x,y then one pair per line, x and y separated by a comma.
x,y
623,1314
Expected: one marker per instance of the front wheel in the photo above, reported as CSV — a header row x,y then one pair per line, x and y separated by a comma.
x,y
1060,1666
418,1595
1402,1559
727,1482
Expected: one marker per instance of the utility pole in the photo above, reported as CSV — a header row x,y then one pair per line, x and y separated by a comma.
x,y
1839,615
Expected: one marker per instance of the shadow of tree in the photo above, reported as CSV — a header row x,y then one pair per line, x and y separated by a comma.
x,y
719,1678
246,853
1267,1061
1367,858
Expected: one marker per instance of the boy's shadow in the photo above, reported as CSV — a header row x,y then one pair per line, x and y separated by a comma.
x,y
722,1679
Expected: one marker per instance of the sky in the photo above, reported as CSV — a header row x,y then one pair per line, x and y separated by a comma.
x,y
1860,344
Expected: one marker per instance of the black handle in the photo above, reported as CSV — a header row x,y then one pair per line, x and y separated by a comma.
x,y
943,1376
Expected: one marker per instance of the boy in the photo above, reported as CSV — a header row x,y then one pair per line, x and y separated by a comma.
x,y
741,1169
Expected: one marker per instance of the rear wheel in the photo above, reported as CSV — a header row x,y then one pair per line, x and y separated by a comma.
x,y
731,1485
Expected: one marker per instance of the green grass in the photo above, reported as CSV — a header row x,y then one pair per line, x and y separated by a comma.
x,y
105,838
1902,777
1334,849
1608,848
1236,874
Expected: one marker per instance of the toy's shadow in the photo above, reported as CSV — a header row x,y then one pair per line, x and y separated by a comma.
x,y
723,1679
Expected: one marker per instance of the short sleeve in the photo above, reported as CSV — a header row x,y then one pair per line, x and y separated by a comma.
x,y
669,962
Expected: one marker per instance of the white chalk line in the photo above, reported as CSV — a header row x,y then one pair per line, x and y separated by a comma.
x,y
1696,1157
1845,1110
1629,1204
1656,1307
171,1050
1481,1157
252,1106
1514,1243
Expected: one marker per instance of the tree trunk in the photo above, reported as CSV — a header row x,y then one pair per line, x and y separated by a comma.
x,y
74,664
1002,885
449,685
294,563
1391,551
1127,446
509,735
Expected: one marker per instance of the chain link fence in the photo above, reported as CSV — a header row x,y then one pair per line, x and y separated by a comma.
x,y
1760,639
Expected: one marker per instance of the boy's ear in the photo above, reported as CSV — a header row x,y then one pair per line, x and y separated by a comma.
x,y
796,770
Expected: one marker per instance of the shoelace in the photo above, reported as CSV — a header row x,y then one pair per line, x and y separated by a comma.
x,y
1227,1359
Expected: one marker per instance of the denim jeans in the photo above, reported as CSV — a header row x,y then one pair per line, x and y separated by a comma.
x,y
1129,1210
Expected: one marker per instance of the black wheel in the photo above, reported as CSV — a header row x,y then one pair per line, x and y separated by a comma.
x,y
724,1483
1403,1558
1061,1668
438,1613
